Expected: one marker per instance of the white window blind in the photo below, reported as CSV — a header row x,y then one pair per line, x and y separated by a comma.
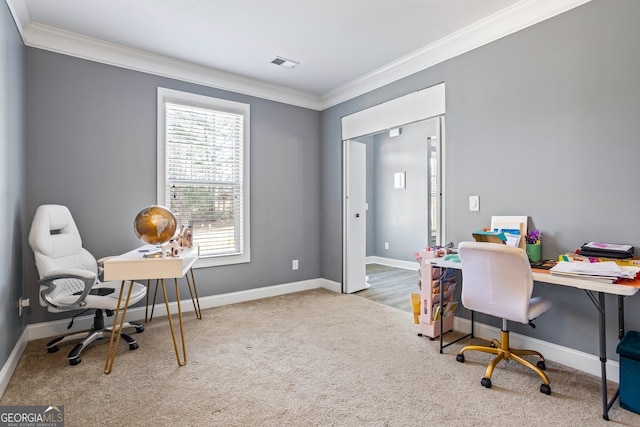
x,y
204,147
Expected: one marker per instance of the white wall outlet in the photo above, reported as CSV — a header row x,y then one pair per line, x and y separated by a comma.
x,y
386,245
474,203
22,303
294,264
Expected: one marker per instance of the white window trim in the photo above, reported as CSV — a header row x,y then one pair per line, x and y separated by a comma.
x,y
169,95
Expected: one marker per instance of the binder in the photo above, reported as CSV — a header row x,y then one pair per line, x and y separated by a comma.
x,y
606,250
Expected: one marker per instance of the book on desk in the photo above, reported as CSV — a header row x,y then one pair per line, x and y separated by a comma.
x,y
489,236
606,250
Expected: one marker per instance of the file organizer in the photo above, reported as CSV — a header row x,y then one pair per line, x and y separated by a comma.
x,y
431,278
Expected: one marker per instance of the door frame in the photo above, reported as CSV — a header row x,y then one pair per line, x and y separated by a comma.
x,y
417,106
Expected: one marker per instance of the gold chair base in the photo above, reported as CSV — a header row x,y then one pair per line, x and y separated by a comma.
x,y
503,352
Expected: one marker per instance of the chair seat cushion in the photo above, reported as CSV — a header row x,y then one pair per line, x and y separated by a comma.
x,y
537,306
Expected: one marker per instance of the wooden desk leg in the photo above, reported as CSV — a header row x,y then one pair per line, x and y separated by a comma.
x,y
112,350
173,334
195,300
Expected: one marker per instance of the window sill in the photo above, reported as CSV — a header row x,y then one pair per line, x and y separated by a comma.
x,y
218,261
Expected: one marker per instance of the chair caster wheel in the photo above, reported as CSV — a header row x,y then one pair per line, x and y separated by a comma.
x,y
140,329
486,382
53,349
460,358
545,388
133,346
75,361
541,365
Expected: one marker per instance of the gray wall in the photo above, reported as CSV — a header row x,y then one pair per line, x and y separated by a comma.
x,y
542,123
401,214
11,183
91,145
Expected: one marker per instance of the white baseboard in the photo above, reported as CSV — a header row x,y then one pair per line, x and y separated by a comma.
x,y
408,265
579,360
7,370
59,327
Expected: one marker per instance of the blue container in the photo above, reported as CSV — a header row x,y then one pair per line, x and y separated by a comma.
x,y
629,351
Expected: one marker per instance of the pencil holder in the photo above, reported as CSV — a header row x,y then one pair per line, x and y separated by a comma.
x,y
533,252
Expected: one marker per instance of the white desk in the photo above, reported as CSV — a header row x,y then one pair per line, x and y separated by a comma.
x,y
134,266
590,287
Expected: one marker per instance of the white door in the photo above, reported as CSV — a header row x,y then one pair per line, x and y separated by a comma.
x,y
355,217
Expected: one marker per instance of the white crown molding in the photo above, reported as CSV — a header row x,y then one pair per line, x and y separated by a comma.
x,y
72,44
508,21
21,15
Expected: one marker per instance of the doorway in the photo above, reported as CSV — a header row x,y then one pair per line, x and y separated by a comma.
x,y
362,213
393,198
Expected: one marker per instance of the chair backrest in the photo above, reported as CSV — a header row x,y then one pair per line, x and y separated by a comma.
x,y
56,245
496,280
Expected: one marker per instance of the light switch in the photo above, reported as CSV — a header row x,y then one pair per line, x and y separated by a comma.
x,y
474,203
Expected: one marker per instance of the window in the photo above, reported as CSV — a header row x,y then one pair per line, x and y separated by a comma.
x,y
203,172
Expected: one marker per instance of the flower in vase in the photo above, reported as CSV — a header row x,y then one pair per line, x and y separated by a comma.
x,y
533,237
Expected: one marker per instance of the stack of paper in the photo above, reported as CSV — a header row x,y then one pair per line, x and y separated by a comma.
x,y
606,272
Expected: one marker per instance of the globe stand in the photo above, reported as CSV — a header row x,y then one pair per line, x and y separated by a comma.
x,y
153,255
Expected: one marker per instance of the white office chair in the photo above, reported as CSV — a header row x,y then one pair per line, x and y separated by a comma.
x,y
68,279
497,280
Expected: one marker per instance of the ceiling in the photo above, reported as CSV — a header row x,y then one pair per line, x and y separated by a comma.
x,y
344,47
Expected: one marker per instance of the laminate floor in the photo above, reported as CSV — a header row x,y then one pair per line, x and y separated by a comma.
x,y
391,286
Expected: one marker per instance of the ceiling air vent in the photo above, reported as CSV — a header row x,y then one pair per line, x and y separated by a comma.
x,y
284,62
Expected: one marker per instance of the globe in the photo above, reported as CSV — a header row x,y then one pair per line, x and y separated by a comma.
x,y
155,225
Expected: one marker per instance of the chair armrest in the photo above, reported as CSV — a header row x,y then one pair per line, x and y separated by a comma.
x,y
86,276
70,273
101,267
103,259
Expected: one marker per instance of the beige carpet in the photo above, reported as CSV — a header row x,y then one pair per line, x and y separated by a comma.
x,y
314,358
